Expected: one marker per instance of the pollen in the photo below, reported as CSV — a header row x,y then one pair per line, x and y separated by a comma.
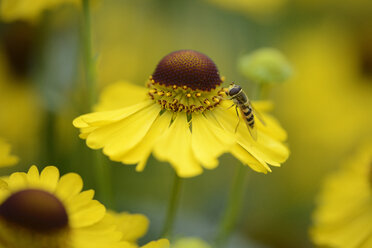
x,y
36,210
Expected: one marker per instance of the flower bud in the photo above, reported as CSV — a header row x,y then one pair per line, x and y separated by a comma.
x,y
190,242
265,65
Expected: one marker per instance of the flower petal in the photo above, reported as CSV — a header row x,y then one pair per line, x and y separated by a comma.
x,y
208,140
112,97
175,146
265,148
6,159
161,243
351,233
91,213
79,201
140,152
68,186
33,176
131,131
97,236
271,127
17,181
246,158
4,190
119,137
49,178
105,117
133,226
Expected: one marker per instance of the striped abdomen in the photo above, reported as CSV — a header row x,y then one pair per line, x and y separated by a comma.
x,y
248,114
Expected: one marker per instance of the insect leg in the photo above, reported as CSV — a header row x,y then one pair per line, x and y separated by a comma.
x,y
237,113
232,105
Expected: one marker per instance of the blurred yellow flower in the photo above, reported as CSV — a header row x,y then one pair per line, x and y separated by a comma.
x,y
190,242
11,10
44,210
133,227
20,105
183,118
161,243
330,74
344,214
326,109
19,100
6,159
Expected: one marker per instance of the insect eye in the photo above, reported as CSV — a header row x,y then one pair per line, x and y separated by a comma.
x,y
235,90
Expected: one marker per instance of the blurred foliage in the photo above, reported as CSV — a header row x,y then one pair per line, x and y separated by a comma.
x,y
326,106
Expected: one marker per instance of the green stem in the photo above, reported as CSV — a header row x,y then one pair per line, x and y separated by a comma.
x,y
50,138
88,57
262,91
228,222
172,207
101,170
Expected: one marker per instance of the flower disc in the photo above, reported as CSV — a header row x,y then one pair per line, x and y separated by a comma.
x,y
34,209
187,68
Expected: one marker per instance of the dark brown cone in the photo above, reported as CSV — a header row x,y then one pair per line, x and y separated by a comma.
x,y
187,68
34,209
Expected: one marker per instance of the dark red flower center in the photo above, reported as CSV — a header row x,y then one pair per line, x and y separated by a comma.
x,y
34,209
187,69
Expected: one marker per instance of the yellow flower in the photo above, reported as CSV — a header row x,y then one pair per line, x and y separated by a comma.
x,y
6,159
344,214
190,243
48,211
183,118
11,10
19,98
133,227
329,97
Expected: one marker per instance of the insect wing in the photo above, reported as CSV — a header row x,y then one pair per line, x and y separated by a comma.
x,y
257,114
253,132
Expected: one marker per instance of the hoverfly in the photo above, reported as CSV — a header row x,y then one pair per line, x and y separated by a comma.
x,y
247,112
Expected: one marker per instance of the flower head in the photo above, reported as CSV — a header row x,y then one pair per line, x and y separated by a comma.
x,y
344,213
187,69
6,159
183,118
186,81
44,210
